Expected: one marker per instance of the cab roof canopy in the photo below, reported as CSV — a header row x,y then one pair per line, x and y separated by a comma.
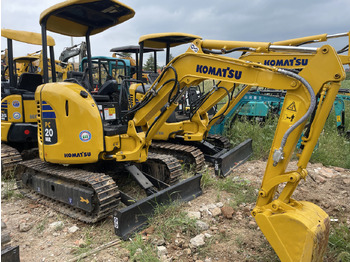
x,y
164,40
23,59
26,37
85,17
134,49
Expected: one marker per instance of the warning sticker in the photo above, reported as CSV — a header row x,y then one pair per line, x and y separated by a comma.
x,y
109,113
289,117
290,114
292,107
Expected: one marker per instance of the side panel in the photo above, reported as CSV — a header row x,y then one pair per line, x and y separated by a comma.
x,y
70,127
30,113
5,127
14,109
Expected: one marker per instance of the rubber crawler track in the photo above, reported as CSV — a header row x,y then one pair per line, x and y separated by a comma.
x,y
10,157
164,167
185,153
106,198
107,195
219,141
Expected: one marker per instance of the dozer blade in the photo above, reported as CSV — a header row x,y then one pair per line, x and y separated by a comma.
x,y
297,234
227,160
132,218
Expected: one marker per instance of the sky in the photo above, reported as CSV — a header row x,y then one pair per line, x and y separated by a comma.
x,y
238,20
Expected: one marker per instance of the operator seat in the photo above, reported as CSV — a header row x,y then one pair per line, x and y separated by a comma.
x,y
108,88
79,78
29,81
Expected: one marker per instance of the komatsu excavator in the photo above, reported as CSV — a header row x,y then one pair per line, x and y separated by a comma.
x,y
107,148
297,230
194,149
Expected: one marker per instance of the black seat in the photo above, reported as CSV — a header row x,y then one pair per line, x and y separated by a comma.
x,y
108,88
79,78
75,75
29,81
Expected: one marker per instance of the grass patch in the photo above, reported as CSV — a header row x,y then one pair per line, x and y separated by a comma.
x,y
141,250
242,191
339,242
262,135
171,219
167,221
40,227
207,179
333,148
9,190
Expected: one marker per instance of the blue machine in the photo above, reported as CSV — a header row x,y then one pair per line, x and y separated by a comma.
x,y
258,105
251,105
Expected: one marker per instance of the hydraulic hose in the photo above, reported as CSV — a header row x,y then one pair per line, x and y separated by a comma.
x,y
227,106
278,154
224,51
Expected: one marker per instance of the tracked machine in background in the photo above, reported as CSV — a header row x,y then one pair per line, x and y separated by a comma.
x,y
176,136
145,77
18,108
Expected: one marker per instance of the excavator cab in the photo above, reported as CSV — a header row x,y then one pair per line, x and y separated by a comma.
x,y
106,69
156,42
27,64
147,77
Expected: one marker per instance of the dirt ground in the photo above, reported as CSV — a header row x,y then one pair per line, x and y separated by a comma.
x,y
35,229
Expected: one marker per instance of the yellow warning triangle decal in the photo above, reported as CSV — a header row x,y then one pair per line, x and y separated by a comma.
x,y
292,107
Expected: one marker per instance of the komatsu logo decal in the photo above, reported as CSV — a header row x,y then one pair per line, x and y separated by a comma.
x,y
218,71
81,154
287,62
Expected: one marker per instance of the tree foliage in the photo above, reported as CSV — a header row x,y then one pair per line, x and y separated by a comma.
x,y
149,65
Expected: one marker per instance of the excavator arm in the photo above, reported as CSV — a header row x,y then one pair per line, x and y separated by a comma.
x,y
282,60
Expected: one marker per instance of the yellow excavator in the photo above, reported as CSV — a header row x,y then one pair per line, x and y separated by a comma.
x,y
184,135
18,108
92,186
72,132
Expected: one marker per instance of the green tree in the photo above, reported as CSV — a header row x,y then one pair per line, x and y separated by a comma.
x,y
149,65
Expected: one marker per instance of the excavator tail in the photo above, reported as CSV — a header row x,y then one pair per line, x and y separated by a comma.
x,y
297,234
